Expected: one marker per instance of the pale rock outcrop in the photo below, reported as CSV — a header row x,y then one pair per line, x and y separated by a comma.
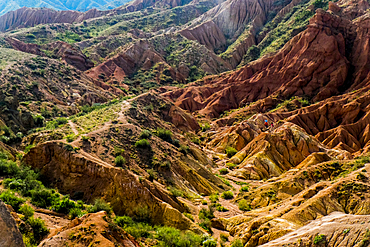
x,y
10,235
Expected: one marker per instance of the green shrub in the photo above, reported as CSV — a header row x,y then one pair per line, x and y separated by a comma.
x,y
139,230
27,211
85,138
23,181
120,161
64,205
226,181
209,243
244,205
230,151
75,213
38,120
187,215
44,198
123,221
11,199
244,188
195,140
28,148
142,214
61,121
237,243
231,166
252,54
8,167
220,208
39,228
118,151
165,135
227,195
224,237
206,213
176,192
223,171
206,127
206,224
3,156
30,36
184,149
70,138
145,134
319,4
68,147
319,239
143,143
213,198
100,205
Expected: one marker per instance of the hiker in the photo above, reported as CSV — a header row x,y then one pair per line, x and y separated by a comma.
x,y
266,124
272,125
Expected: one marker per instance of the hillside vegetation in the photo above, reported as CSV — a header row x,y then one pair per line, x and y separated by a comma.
x,y
235,123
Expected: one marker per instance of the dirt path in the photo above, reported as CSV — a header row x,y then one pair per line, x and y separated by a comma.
x,y
75,131
52,221
121,115
73,127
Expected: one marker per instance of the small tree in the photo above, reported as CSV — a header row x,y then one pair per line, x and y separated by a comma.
x,y
143,143
227,195
244,205
119,161
27,211
230,151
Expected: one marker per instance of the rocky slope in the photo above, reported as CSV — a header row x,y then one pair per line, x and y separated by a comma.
x,y
94,157
336,229
36,85
95,229
10,235
28,17
275,75
59,49
60,5
198,156
162,65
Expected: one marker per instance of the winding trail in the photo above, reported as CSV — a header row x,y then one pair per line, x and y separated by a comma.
x,y
73,127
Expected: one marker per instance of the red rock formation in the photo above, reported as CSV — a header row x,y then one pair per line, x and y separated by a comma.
x,y
141,4
313,63
208,34
21,46
60,49
70,55
129,61
228,20
28,17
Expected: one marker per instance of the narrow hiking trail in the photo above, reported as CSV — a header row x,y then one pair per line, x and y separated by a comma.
x,y
78,131
73,127
121,115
